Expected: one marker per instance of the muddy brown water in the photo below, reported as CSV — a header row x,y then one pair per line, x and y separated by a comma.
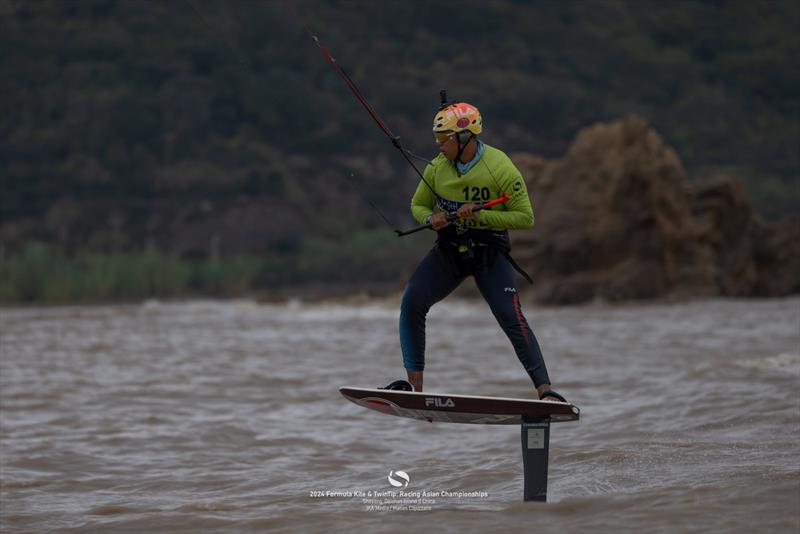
x,y
225,417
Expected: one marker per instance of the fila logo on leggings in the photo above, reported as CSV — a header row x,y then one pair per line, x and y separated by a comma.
x,y
510,290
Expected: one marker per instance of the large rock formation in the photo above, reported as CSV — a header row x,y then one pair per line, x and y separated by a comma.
x,y
616,221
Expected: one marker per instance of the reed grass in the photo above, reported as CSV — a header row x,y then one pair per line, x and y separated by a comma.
x,y
40,274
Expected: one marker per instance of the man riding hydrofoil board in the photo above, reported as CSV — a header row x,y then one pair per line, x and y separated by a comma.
x,y
470,242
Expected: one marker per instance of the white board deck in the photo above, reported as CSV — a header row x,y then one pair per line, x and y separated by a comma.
x,y
447,408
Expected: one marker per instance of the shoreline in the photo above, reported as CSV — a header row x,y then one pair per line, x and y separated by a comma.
x,y
375,294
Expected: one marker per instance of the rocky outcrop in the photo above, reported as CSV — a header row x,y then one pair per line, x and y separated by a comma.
x,y
777,257
615,220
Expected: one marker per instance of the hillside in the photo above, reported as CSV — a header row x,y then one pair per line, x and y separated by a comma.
x,y
184,125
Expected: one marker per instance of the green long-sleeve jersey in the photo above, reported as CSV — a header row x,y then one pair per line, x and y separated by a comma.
x,y
492,176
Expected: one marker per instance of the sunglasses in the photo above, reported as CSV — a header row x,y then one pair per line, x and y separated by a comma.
x,y
443,137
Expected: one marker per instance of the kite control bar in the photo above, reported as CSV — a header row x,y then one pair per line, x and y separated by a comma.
x,y
452,216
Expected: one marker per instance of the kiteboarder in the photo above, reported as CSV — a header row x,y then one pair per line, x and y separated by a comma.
x,y
470,242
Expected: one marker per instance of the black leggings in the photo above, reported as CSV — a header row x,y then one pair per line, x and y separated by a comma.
x,y
437,276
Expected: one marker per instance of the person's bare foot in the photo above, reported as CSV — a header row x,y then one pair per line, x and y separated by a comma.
x,y
415,377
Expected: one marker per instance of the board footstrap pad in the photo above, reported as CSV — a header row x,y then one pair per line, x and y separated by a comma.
x,y
554,394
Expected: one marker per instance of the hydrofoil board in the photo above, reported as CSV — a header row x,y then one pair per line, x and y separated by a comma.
x,y
446,408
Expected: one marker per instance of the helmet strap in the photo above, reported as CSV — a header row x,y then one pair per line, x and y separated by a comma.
x,y
463,139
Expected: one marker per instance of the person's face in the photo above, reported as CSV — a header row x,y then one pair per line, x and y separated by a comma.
x,y
448,145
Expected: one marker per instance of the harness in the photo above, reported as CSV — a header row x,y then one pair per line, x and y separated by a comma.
x,y
473,250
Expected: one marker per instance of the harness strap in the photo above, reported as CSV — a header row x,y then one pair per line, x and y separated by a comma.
x,y
517,268
490,238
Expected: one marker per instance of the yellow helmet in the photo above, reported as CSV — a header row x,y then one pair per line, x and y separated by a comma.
x,y
458,117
